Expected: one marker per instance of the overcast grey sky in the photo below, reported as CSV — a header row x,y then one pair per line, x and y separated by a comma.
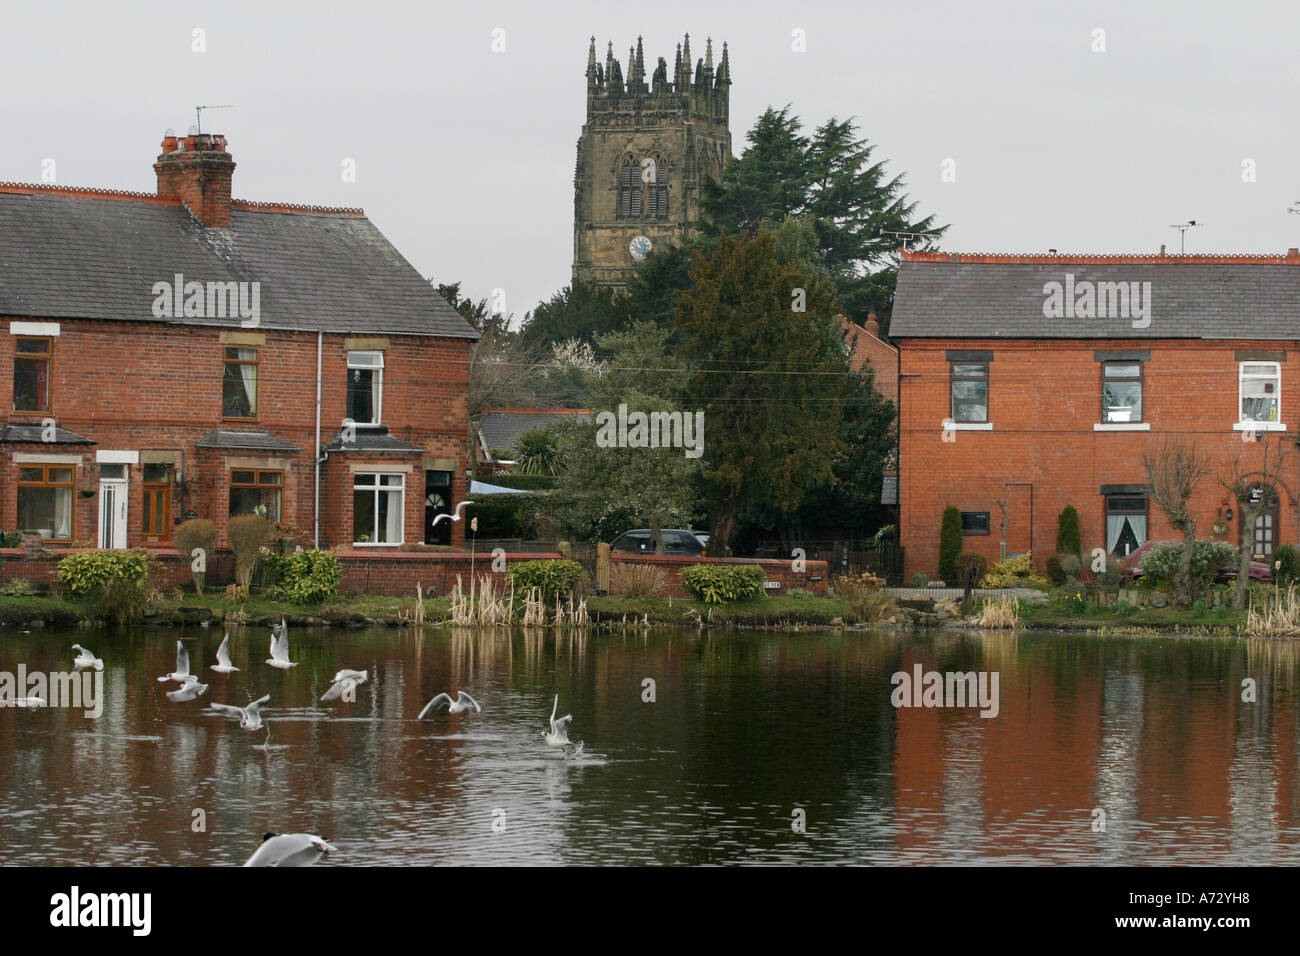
x,y
465,157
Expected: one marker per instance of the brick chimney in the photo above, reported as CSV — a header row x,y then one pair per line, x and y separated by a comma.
x,y
198,169
872,325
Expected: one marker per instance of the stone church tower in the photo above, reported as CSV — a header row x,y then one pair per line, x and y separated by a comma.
x,y
643,156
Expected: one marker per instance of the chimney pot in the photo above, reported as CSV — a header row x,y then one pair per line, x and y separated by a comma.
x,y
198,170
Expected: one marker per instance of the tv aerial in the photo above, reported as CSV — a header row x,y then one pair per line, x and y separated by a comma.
x,y
198,114
907,237
1182,228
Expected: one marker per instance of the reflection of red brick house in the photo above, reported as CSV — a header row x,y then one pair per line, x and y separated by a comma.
x,y
189,353
1041,381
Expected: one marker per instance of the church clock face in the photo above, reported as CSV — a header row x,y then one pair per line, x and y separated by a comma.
x,y
639,247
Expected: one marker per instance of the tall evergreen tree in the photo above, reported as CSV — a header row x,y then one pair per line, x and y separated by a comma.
x,y
769,378
831,179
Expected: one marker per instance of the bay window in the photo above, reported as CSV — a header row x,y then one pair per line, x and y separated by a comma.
x,y
45,500
378,507
256,492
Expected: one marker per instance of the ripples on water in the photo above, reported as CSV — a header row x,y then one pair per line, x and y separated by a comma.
x,y
747,727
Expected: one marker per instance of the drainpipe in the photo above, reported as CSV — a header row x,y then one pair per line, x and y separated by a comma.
x,y
315,514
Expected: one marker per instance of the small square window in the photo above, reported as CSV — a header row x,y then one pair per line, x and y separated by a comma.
x,y
974,522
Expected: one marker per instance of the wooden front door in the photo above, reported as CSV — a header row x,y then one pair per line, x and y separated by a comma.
x,y
157,521
1266,528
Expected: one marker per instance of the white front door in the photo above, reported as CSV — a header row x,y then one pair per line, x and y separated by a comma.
x,y
112,513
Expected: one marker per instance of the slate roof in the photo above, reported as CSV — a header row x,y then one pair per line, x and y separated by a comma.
x,y
942,295
369,439
98,255
31,434
501,428
225,438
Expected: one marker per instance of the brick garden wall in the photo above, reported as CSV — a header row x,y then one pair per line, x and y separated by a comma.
x,y
397,572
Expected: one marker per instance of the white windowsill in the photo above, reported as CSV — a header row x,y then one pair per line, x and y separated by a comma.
x,y
1122,427
377,544
1258,427
968,427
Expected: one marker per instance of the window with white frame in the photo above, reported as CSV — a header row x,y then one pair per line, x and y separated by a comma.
x,y
365,387
1260,391
378,507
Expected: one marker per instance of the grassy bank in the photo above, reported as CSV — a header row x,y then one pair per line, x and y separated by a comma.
x,y
757,612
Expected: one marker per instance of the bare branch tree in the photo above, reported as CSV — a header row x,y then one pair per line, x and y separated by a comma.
x,y
1174,469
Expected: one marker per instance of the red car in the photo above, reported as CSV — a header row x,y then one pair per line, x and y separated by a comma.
x,y
1130,567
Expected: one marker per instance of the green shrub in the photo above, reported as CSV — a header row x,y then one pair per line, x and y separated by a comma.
x,y
1286,564
1013,572
85,572
195,533
949,544
723,583
977,564
553,577
920,579
1209,559
1054,572
306,577
800,593
247,534
11,539
116,582
1068,538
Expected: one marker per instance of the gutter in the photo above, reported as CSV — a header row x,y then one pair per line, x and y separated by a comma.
x,y
315,515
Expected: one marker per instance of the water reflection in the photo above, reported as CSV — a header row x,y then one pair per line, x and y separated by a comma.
x,y
746,728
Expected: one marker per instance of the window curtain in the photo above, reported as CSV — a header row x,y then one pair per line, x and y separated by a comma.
x,y
1115,528
248,376
63,513
391,512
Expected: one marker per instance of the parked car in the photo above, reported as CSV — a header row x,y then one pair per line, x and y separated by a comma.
x,y
1130,567
676,541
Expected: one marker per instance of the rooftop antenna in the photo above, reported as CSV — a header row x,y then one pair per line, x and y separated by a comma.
x,y
198,113
1182,228
907,237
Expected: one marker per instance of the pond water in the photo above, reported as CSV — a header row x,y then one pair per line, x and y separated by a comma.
x,y
749,733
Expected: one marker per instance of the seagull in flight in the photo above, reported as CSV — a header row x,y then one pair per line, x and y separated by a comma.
x,y
85,659
223,665
280,646
460,509
250,717
558,735
182,672
289,849
443,701
346,683
188,691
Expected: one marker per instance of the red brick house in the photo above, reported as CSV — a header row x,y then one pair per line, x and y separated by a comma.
x,y
190,354
1033,382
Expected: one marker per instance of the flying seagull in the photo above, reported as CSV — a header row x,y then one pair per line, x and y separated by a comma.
x,y
189,690
443,701
250,717
280,646
85,659
182,672
289,849
223,665
345,685
460,508
558,735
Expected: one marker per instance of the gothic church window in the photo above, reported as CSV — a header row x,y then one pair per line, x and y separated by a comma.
x,y
629,189
657,185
